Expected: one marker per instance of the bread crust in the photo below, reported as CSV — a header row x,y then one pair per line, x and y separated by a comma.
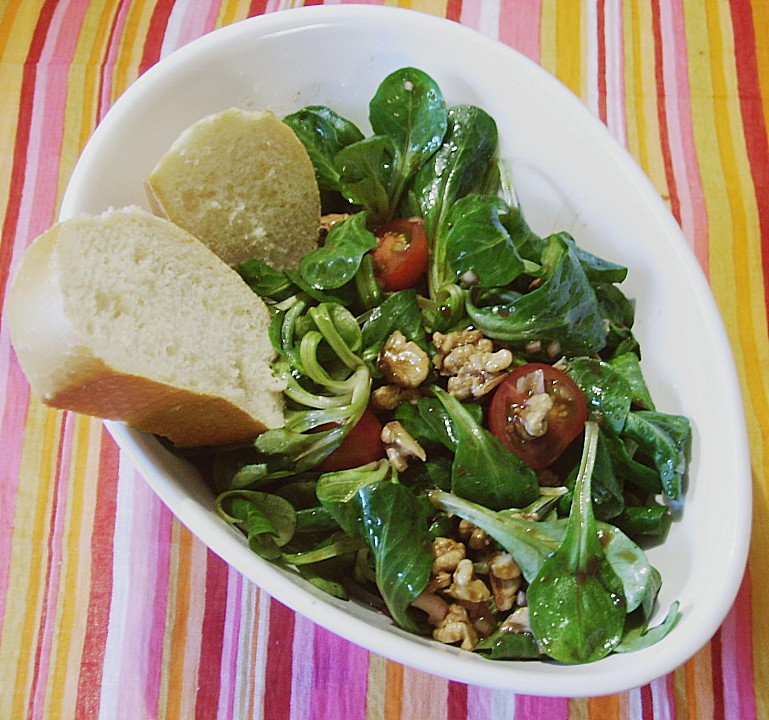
x,y
65,373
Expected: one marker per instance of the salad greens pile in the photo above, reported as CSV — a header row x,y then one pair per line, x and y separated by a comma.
x,y
366,530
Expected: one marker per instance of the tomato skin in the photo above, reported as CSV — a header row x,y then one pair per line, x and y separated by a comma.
x,y
401,256
362,445
565,420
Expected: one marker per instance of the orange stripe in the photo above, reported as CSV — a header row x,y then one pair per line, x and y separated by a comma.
x,y
394,693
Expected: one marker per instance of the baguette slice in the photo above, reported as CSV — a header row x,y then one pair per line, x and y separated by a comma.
x,y
243,184
126,316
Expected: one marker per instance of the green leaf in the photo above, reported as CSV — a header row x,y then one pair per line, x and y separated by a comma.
x,y
629,366
458,167
576,602
323,132
484,470
399,311
665,440
337,490
365,173
394,526
478,242
509,646
606,390
652,635
265,280
408,107
563,309
269,521
336,263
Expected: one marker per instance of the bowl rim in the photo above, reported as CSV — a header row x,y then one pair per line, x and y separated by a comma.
x,y
531,678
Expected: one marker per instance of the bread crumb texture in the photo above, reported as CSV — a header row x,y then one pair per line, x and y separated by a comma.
x,y
242,183
161,333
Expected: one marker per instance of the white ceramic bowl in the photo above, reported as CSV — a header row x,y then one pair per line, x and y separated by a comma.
x,y
570,174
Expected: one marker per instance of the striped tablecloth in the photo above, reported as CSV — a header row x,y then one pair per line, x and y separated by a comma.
x,y
109,608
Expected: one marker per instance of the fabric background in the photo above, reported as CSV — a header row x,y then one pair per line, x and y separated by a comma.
x,y
109,608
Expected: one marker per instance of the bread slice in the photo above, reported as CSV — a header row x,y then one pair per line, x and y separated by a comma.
x,y
243,184
126,316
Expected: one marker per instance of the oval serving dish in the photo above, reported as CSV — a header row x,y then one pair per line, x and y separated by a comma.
x,y
569,174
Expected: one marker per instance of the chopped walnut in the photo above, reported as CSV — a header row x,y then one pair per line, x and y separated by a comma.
x,y
468,359
466,586
505,579
400,446
517,621
389,397
474,537
533,415
403,362
481,617
456,627
447,554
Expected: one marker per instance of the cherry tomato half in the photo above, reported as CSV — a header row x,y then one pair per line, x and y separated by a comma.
x,y
536,412
400,258
362,445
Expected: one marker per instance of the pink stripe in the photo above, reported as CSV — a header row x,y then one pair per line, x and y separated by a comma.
x,y
110,59
616,118
147,595
478,703
340,675
302,672
199,18
48,615
12,430
542,708
230,646
694,217
471,14
737,657
38,200
519,25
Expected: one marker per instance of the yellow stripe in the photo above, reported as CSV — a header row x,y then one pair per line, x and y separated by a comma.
x,y
177,616
29,558
230,12
641,94
735,270
131,46
75,577
562,43
17,24
752,349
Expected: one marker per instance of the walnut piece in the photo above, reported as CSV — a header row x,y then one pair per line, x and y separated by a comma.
x,y
403,362
456,627
389,397
446,554
517,621
472,536
505,579
400,446
466,586
468,359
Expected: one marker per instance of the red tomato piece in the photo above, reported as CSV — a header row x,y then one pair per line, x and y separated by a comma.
x,y
536,412
400,258
362,445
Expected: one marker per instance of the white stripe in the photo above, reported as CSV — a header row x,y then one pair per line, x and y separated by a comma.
x,y
615,72
591,40
118,612
302,666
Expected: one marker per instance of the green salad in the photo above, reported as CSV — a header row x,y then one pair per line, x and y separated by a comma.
x,y
469,443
